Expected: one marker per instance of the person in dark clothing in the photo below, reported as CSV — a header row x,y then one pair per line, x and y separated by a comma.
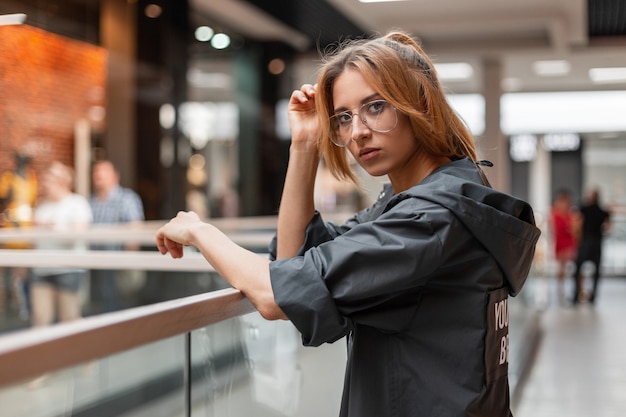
x,y
595,221
418,283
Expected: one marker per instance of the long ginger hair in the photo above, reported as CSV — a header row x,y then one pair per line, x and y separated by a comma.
x,y
398,69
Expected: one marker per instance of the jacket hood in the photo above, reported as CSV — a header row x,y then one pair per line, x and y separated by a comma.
x,y
504,224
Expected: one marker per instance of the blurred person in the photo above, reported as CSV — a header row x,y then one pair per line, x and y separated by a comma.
x,y
18,193
18,196
55,291
111,204
595,222
563,226
418,282
229,203
198,202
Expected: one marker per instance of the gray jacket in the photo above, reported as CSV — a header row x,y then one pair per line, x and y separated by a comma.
x,y
419,284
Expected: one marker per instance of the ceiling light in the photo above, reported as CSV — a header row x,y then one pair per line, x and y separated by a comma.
x,y
552,68
454,71
204,33
220,41
12,19
276,66
377,1
608,75
153,11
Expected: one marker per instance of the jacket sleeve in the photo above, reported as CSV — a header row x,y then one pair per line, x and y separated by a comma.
x,y
318,231
371,274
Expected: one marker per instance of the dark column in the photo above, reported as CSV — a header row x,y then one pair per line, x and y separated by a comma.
x,y
262,155
247,96
161,78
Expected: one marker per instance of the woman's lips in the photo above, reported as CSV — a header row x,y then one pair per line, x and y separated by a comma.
x,y
368,153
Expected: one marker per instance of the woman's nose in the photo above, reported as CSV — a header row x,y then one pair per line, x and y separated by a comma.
x,y
359,128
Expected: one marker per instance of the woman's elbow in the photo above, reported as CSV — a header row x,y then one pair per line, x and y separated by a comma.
x,y
271,311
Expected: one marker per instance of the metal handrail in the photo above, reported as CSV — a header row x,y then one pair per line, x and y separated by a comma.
x,y
33,352
118,234
244,231
94,259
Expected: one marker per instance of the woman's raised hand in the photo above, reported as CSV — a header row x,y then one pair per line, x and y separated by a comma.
x,y
177,233
303,117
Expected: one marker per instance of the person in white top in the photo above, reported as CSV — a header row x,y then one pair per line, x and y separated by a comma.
x,y
55,291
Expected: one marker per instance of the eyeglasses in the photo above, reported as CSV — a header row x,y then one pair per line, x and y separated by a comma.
x,y
378,115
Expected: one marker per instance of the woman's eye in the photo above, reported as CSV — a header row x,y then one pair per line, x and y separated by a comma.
x,y
344,118
376,107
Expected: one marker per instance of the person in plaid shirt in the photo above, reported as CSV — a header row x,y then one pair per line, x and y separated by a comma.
x,y
111,204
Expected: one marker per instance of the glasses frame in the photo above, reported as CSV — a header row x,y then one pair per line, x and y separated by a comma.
x,y
340,143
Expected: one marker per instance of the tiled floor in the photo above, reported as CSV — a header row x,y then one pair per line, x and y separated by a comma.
x,y
580,366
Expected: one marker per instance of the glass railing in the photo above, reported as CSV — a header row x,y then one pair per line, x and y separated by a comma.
x,y
186,345
178,354
128,363
116,279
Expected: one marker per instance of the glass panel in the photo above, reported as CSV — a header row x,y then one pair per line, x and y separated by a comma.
x,y
101,292
240,367
113,290
14,299
220,371
127,384
524,313
251,366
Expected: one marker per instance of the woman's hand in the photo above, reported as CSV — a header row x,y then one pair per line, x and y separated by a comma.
x,y
177,233
303,119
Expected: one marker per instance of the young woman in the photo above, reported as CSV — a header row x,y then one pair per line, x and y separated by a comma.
x,y
418,282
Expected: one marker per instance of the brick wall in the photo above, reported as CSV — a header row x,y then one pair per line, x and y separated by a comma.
x,y
47,83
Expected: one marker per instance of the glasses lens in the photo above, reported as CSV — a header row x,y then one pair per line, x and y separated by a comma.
x,y
341,128
377,115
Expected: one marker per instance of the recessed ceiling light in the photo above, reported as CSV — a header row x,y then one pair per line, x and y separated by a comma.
x,y
204,33
12,19
153,11
608,75
552,68
220,41
276,66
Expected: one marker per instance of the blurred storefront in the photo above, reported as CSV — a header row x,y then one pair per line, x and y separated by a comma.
x,y
193,112
183,104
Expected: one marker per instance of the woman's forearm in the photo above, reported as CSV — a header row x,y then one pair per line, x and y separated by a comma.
x,y
297,204
243,269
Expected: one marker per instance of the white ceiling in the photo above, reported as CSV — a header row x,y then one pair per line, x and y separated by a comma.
x,y
515,33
